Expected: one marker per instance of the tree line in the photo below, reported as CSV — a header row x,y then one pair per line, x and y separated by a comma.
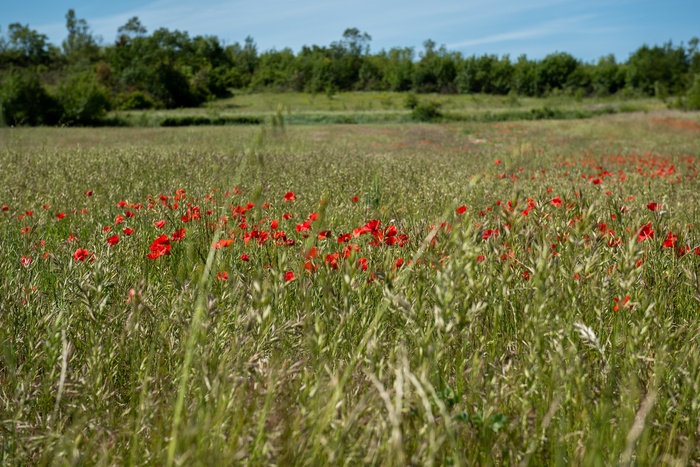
x,y
80,81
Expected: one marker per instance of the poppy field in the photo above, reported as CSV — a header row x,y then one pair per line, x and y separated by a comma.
x,y
515,293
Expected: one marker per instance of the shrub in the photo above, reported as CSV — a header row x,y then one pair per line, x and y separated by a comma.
x,y
138,101
427,111
693,95
84,100
171,86
24,101
410,101
195,121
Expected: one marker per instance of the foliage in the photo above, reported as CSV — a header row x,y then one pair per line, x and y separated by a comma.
x,y
193,121
427,111
693,96
84,100
138,101
24,101
410,101
25,46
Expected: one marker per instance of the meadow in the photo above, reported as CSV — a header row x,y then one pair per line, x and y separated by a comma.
x,y
388,107
514,293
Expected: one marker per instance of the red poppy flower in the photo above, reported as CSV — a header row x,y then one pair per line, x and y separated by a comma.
x,y
160,247
128,231
670,241
461,210
121,204
313,216
288,276
344,238
624,303
159,224
489,233
391,231
556,202
358,231
310,254
71,238
372,225
129,214
81,255
89,193
29,213
645,232
498,162
61,215
286,216
25,230
178,235
26,261
323,235
274,224
118,220
111,241
355,199
362,264
480,258
289,196
597,181
222,276
332,261
397,264
5,208
244,258
349,249
45,206
306,226
653,206
222,243
106,228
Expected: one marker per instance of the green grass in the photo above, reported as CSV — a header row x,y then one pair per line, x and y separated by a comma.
x,y
374,107
507,350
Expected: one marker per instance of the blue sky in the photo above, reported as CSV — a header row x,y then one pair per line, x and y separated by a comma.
x,y
586,29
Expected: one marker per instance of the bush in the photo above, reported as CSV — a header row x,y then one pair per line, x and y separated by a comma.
x,y
410,101
171,86
138,101
693,95
84,100
195,121
24,101
427,111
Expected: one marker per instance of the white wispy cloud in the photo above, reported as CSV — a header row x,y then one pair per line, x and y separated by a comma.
x,y
543,29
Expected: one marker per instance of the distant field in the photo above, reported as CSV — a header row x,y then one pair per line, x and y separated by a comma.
x,y
462,293
375,107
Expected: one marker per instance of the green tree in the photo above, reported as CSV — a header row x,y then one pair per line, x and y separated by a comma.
x,y
84,100
26,45
651,67
79,41
24,101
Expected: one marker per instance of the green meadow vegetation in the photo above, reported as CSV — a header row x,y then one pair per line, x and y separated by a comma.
x,y
464,293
